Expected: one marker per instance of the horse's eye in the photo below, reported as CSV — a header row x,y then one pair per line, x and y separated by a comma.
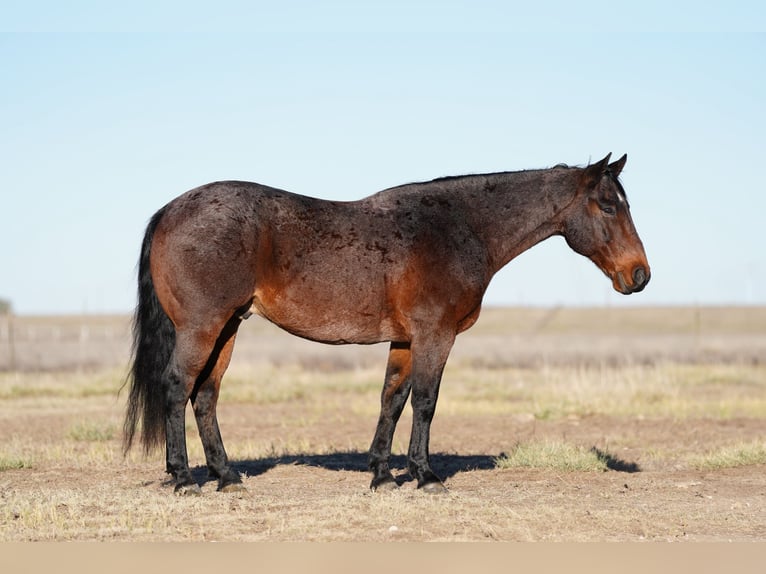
x,y
609,209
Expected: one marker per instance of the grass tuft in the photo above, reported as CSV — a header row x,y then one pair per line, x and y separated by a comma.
x,y
741,454
13,463
553,455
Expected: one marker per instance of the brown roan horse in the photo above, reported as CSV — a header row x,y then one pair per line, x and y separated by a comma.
x,y
408,265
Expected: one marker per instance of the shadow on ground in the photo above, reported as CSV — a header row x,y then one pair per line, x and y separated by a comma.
x,y
445,465
614,463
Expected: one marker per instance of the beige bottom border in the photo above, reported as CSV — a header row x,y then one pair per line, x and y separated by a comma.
x,y
391,558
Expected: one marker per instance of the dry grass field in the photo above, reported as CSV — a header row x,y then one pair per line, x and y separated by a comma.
x,y
613,424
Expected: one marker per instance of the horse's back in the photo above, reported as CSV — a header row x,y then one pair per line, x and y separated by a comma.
x,y
337,272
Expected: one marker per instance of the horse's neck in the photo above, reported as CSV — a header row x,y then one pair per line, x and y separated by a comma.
x,y
521,211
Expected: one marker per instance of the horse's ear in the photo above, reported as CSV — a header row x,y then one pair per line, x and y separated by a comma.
x,y
617,166
593,173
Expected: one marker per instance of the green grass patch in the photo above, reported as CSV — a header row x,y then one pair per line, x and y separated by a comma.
x,y
553,455
741,454
13,463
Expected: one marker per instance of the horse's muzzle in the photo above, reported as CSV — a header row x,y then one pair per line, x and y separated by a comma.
x,y
639,278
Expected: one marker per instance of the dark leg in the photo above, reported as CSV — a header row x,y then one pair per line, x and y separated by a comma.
x,y
396,389
190,355
215,454
176,460
204,401
427,371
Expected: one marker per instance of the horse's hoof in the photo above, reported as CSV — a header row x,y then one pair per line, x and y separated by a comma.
x,y
188,490
386,486
433,488
233,487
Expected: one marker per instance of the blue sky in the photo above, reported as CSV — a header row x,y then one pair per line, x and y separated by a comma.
x,y
106,115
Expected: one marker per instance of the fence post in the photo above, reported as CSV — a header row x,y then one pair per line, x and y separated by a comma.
x,y
11,343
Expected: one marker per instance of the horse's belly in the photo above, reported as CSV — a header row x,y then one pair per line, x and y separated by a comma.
x,y
338,320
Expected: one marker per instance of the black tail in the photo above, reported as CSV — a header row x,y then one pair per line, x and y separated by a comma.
x,y
154,339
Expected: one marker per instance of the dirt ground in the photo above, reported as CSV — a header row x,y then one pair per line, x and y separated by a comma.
x,y
325,496
303,461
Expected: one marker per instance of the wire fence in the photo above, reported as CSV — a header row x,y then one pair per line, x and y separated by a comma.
x,y
38,343
513,337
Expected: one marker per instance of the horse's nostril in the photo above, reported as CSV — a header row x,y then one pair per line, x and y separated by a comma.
x,y
639,276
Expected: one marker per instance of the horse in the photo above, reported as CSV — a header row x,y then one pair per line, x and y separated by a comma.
x,y
408,265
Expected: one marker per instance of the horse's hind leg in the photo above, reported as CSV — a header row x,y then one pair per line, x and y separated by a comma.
x,y
204,400
190,357
396,389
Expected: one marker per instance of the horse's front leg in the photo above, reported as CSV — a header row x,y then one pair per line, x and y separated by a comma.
x,y
428,365
396,389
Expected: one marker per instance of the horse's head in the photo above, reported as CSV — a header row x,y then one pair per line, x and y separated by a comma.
x,y
598,225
